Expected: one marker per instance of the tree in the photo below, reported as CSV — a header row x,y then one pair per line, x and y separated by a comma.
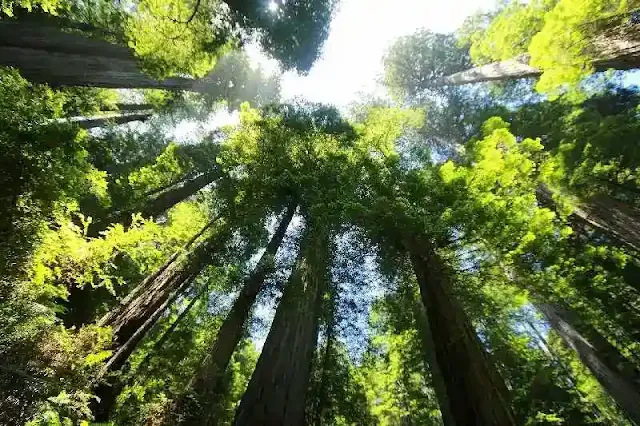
x,y
92,122
600,38
619,386
475,392
277,390
206,384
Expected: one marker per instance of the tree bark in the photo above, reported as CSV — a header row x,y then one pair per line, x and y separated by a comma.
x,y
277,390
613,48
476,394
141,309
159,287
323,400
619,386
155,206
92,122
169,331
429,352
46,54
618,221
206,386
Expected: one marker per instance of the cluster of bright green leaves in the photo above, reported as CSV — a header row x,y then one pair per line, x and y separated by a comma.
x,y
45,163
559,35
178,36
295,150
498,190
592,143
393,376
67,256
8,7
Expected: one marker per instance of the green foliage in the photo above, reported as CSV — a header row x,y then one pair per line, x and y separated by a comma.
x,y
8,7
389,176
293,32
415,61
177,36
562,37
45,164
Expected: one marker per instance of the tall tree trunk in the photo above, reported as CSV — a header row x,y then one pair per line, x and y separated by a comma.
x,y
619,386
169,331
476,393
157,288
91,122
206,386
157,205
142,308
277,391
323,399
45,54
429,352
617,220
611,53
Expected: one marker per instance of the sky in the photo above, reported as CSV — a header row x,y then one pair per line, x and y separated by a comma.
x,y
361,32
351,61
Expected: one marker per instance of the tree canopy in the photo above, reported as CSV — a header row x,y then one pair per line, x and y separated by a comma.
x,y
442,255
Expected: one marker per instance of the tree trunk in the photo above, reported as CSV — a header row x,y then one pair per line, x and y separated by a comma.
x,y
429,352
91,122
46,54
159,287
157,205
138,312
169,331
206,386
617,220
476,393
616,47
277,390
323,400
619,386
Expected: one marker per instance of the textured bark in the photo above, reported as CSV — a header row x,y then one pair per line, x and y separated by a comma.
x,y
139,311
206,386
92,122
511,69
619,386
476,393
156,205
617,220
614,48
429,352
277,390
46,54
169,331
152,294
323,400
